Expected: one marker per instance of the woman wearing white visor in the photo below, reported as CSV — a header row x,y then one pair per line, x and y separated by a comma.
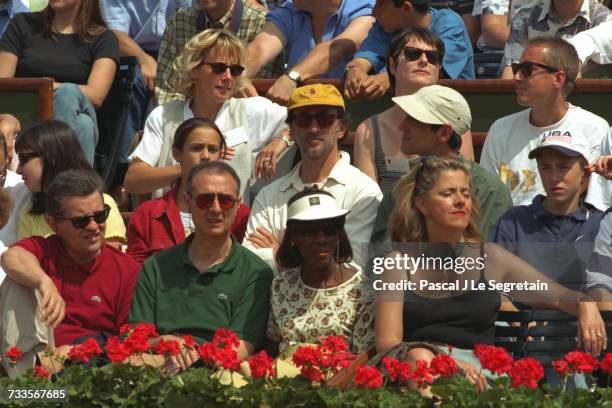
x,y
319,294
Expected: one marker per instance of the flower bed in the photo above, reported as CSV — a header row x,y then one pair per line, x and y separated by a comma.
x,y
125,385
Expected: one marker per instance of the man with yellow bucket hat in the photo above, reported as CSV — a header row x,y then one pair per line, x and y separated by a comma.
x,y
316,117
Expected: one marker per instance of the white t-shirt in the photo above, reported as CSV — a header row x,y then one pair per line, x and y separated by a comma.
x,y
264,117
599,193
511,138
21,199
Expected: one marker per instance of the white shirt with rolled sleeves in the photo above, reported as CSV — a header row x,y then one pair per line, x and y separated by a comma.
x,y
266,119
353,190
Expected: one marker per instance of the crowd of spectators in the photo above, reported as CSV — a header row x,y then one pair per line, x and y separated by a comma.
x,y
257,221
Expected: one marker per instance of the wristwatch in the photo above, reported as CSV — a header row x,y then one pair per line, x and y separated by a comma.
x,y
285,138
295,77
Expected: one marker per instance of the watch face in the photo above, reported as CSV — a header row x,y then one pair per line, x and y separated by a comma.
x,y
294,76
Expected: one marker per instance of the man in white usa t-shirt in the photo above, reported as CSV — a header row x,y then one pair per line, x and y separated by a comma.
x,y
544,77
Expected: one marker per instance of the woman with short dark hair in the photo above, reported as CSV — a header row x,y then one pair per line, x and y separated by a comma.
x,y
319,294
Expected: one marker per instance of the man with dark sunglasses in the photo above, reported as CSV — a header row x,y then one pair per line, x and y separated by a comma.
x,y
70,286
317,123
209,280
544,77
554,18
393,16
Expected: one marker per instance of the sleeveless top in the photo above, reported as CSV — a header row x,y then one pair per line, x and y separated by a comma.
x,y
399,165
461,321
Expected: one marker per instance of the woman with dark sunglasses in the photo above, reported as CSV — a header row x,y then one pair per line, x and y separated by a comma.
x,y
451,298
414,61
208,73
319,294
165,222
45,150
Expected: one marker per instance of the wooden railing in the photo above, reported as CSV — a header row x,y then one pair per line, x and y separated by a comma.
x,y
489,99
29,99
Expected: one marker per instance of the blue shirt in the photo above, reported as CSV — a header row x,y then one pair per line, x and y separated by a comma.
x,y
458,55
559,246
8,10
297,30
143,20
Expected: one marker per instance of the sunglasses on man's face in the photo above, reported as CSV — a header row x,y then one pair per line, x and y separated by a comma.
x,y
26,157
205,200
324,119
219,68
526,68
81,221
413,54
310,230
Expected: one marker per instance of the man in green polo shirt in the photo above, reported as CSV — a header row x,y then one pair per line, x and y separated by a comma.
x,y
209,281
435,117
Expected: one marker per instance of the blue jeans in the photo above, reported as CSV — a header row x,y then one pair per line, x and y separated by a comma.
x,y
136,115
71,106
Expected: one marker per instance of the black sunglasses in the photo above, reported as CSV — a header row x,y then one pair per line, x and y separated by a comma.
x,y
526,68
219,68
26,157
324,119
205,200
413,54
310,230
81,221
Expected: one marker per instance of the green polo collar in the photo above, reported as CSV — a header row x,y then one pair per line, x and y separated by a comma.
x,y
228,265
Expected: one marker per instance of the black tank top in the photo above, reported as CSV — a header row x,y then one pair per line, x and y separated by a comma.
x,y
461,321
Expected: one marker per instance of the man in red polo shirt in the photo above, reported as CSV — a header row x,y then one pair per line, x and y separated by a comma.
x,y
82,287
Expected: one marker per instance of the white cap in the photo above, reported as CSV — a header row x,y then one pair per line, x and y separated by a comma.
x,y
569,142
438,105
314,207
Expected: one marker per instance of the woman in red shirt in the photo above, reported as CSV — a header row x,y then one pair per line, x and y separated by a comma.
x,y
164,222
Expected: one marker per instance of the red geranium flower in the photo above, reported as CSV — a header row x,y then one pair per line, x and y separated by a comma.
x,y
562,368
84,351
228,358
262,365
188,341
495,359
392,366
40,372
307,359
225,337
167,347
422,374
208,353
581,362
116,351
14,355
606,364
443,365
526,372
368,377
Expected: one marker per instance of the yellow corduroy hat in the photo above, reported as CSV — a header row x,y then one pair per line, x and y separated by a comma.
x,y
315,95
